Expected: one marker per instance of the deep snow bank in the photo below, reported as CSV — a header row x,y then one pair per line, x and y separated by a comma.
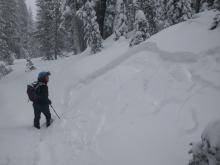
x,y
207,151
191,36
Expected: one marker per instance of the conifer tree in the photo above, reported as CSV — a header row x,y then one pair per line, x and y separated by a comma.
x,y
149,9
217,5
48,22
206,151
201,5
170,12
141,29
91,27
4,70
30,22
44,26
6,54
161,14
216,19
71,26
178,11
21,26
29,64
7,30
57,35
121,21
197,5
109,17
130,13
100,8
31,44
207,4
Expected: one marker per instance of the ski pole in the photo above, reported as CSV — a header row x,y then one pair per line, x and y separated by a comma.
x,y
55,111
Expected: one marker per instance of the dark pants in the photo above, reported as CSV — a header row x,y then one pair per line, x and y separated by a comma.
x,y
38,109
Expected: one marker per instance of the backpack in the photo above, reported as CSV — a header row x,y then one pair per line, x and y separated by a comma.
x,y
32,91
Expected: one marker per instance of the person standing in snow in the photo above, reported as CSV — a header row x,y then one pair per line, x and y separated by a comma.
x,y
41,105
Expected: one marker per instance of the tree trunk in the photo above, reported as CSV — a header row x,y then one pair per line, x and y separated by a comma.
x,y
100,13
197,5
75,30
56,32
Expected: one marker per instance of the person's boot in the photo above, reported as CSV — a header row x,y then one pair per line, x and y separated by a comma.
x,y
37,126
48,123
37,122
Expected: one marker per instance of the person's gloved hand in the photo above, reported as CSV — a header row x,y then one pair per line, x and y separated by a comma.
x,y
49,102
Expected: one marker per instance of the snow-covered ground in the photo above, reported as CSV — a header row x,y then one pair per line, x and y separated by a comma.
x,y
119,107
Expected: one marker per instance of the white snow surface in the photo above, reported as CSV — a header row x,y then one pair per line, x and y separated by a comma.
x,y
119,107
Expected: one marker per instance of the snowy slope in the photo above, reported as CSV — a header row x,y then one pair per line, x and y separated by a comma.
x,y
122,106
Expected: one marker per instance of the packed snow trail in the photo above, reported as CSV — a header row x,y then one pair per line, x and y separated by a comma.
x,y
122,106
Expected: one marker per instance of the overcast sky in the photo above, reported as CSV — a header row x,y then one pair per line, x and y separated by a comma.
x,y
31,3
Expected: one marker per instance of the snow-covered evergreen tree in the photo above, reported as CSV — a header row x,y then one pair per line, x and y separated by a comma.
x,y
141,29
29,64
216,19
198,155
58,37
121,21
149,9
161,16
91,27
44,26
6,54
131,12
170,12
206,152
22,26
48,23
216,22
72,27
109,17
178,11
201,5
4,70
206,4
7,30
31,44
217,4
30,22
